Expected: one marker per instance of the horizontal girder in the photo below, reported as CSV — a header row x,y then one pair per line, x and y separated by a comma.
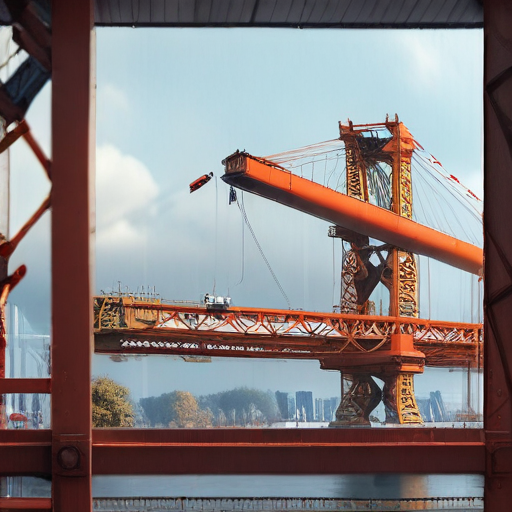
x,y
274,182
140,327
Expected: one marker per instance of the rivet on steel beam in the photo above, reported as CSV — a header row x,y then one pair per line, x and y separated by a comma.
x,y
68,457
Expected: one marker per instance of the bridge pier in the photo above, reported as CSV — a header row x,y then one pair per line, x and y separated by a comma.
x,y
396,367
363,396
399,399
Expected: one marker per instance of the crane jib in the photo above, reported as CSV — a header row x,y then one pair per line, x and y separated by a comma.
x,y
271,181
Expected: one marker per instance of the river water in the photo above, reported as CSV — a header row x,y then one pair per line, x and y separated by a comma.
x,y
372,486
273,493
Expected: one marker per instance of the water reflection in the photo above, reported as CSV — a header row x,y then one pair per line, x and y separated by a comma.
x,y
374,486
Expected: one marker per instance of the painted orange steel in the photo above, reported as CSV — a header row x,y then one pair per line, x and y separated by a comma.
x,y
38,152
154,328
273,182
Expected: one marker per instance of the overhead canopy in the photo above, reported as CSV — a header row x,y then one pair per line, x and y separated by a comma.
x,y
291,13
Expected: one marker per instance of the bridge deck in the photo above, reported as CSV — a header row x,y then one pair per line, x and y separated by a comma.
x,y
123,325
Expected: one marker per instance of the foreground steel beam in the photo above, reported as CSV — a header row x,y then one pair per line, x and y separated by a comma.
x,y
498,253
73,144
273,182
25,452
251,451
25,504
25,386
294,451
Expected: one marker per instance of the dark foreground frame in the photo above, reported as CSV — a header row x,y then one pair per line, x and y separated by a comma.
x,y
71,452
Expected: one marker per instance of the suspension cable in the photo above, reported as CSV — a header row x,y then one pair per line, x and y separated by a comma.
x,y
241,207
243,240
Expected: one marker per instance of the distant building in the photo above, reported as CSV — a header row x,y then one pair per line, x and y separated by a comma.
x,y
328,412
433,409
335,402
437,406
330,406
282,404
292,410
304,404
319,409
425,408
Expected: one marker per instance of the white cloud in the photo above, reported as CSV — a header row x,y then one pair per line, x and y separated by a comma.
x,y
110,96
119,233
425,59
124,185
438,60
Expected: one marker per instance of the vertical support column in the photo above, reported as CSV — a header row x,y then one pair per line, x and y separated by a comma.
x,y
358,402
498,253
398,391
348,299
404,291
73,141
364,394
357,186
356,177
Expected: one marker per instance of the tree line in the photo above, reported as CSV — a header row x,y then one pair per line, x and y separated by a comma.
x,y
239,407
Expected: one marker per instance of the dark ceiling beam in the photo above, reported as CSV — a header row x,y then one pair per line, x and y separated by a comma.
x,y
311,25
422,14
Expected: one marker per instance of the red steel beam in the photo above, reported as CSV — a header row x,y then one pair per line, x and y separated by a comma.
x,y
32,504
39,153
73,142
25,452
307,436
224,451
288,459
498,253
246,172
25,386
135,451
294,451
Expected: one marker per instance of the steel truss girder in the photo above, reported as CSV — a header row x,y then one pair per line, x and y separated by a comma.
x,y
259,333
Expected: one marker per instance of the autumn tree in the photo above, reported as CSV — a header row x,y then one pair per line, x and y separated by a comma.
x,y
186,412
241,406
110,404
178,409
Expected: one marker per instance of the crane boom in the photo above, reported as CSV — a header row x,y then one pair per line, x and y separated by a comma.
x,y
268,180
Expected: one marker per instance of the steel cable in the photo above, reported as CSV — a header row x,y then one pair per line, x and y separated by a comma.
x,y
246,219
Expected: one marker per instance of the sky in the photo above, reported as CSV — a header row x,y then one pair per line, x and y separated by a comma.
x,y
171,104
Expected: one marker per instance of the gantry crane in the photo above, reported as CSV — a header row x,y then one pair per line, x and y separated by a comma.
x,y
361,346
356,220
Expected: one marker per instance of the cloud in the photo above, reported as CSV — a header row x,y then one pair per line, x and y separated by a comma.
x,y
435,60
124,186
112,97
425,58
118,233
